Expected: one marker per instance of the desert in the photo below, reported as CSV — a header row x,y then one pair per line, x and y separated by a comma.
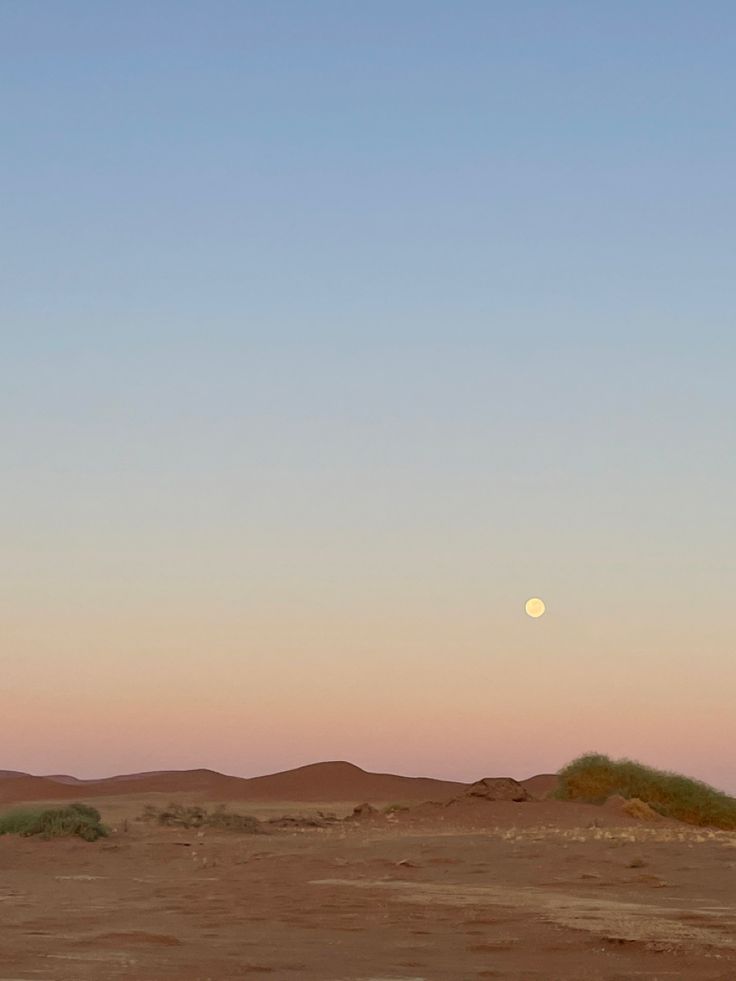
x,y
367,454
352,876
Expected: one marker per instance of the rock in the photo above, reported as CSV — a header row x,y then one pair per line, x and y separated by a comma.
x,y
364,811
497,788
290,821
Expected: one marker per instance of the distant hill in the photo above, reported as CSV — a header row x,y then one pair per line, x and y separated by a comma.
x,y
316,782
542,785
345,781
27,788
333,781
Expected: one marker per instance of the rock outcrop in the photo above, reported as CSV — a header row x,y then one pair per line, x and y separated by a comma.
x,y
364,811
496,788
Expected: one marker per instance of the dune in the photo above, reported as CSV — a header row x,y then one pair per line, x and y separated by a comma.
x,y
28,788
541,786
315,782
345,781
331,781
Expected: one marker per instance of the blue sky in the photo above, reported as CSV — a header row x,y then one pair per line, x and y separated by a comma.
x,y
363,171
353,302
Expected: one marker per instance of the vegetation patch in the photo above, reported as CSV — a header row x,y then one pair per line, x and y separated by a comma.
x,y
594,778
54,822
193,816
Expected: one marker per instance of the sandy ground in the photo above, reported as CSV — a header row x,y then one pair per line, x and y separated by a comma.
x,y
536,890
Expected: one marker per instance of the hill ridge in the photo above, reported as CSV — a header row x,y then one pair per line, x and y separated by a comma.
x,y
326,780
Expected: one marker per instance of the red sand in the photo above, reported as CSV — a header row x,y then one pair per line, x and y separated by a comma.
x,y
336,781
454,890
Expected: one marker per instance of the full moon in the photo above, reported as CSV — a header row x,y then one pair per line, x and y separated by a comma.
x,y
534,607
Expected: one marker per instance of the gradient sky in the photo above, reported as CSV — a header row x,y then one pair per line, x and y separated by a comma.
x,y
333,331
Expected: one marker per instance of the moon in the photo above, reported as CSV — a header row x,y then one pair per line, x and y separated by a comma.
x,y
534,607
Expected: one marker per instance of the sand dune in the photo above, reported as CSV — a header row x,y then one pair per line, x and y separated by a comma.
x,y
27,788
329,781
332,781
542,785
345,781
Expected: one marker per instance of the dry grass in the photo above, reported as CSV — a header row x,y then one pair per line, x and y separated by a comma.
x,y
180,816
639,809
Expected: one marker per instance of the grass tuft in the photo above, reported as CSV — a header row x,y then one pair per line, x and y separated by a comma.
x,y
54,822
594,778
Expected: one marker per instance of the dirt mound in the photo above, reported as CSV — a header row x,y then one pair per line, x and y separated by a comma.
x,y
495,788
479,813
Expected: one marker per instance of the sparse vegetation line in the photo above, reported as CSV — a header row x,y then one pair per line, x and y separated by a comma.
x,y
181,816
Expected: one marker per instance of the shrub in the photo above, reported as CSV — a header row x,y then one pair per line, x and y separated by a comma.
x,y
179,816
594,778
227,821
176,816
54,822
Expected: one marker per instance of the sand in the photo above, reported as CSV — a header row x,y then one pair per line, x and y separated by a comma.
x,y
315,782
439,892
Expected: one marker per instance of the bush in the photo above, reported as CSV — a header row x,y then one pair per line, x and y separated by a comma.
x,y
176,816
226,821
594,778
54,822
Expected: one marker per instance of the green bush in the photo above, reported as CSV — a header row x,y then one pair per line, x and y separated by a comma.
x,y
594,778
54,822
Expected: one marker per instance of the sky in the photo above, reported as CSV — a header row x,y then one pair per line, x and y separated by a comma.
x,y
331,332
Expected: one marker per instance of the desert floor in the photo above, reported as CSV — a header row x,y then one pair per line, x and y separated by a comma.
x,y
539,890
